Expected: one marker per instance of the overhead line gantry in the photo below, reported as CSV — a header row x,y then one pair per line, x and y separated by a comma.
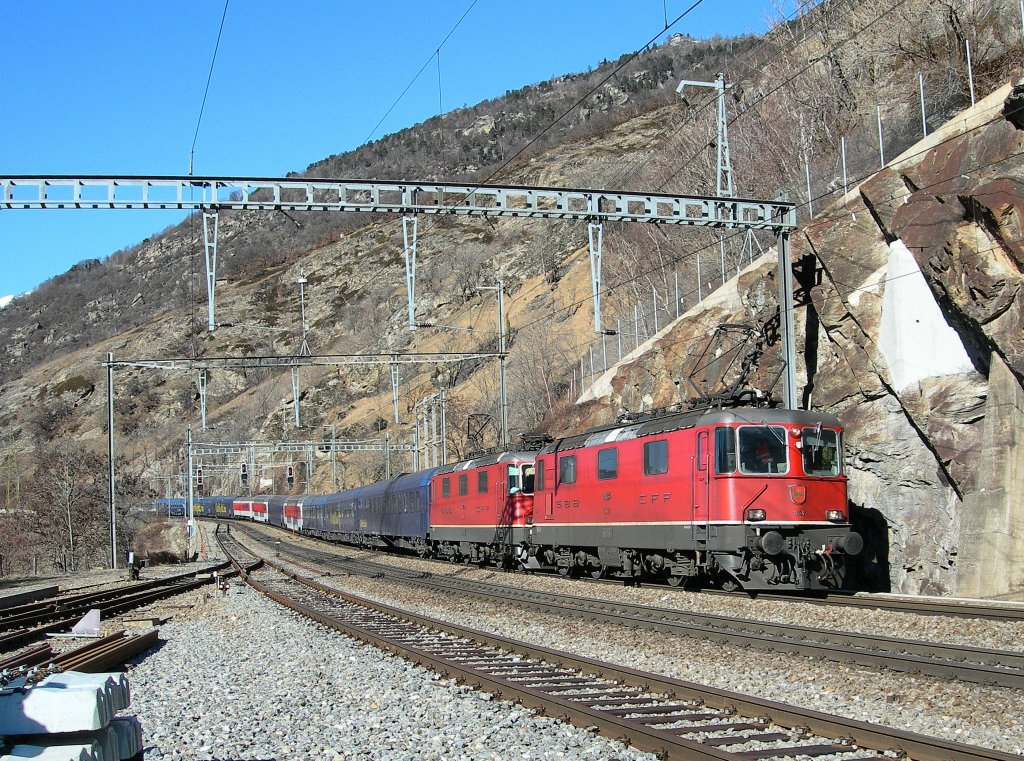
x,y
409,199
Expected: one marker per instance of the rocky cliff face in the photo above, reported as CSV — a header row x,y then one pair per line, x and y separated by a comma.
x,y
910,311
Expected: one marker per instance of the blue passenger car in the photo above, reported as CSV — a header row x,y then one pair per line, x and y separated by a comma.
x,y
332,516
396,513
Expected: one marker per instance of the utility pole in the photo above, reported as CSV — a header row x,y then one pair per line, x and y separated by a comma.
x,y
190,497
110,459
303,346
500,288
724,173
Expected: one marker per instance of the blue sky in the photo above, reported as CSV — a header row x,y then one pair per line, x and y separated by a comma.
x,y
116,88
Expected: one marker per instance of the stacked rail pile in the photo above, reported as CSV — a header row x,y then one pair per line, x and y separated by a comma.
x,y
68,716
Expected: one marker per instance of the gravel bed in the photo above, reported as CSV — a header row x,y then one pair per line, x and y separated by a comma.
x,y
998,635
968,713
240,677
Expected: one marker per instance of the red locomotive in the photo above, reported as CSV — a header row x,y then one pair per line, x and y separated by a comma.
x,y
480,508
751,497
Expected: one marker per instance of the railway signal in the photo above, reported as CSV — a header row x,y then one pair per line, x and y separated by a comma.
x,y
291,475
243,473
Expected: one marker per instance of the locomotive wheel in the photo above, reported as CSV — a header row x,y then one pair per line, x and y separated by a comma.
x,y
729,584
597,573
564,570
674,581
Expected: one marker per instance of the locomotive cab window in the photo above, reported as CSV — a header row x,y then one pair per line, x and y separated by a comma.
x,y
567,469
607,464
528,479
821,453
655,458
481,482
725,450
763,449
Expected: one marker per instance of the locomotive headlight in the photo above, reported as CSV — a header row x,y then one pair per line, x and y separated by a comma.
x,y
755,514
836,516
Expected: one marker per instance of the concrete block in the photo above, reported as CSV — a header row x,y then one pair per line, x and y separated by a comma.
x,y
45,710
129,736
114,683
72,752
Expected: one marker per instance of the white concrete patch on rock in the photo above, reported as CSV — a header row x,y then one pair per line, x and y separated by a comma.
x,y
914,338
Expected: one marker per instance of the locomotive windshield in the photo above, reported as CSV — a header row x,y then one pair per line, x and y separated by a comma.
x,y
520,481
763,449
528,473
821,451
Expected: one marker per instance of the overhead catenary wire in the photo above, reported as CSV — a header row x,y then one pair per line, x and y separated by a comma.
x,y
417,75
206,90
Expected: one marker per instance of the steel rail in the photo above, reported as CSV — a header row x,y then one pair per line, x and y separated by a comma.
x,y
645,709
127,601
927,606
27,596
970,664
28,613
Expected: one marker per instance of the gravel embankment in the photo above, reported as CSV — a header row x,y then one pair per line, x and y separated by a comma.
x,y
239,677
968,713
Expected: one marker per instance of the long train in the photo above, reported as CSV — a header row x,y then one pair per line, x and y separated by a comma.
x,y
751,498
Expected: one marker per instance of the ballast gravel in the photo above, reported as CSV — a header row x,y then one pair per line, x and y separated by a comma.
x,y
973,714
240,677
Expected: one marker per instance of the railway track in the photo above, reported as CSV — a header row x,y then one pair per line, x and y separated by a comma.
x,y
26,623
970,664
925,606
669,717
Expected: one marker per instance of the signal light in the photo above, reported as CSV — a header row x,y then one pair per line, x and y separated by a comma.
x,y
199,477
244,473
291,475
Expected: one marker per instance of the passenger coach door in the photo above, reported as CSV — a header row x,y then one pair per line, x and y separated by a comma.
x,y
700,488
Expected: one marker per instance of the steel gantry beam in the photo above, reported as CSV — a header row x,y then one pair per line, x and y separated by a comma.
x,y
313,360
405,198
325,446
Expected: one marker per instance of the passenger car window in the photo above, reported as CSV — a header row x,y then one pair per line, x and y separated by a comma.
x,y
607,463
725,450
655,457
763,449
820,452
567,469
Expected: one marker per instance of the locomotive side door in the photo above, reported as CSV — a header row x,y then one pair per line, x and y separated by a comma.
x,y
700,490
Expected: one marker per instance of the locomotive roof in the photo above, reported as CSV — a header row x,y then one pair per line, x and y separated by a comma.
x,y
689,419
492,458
